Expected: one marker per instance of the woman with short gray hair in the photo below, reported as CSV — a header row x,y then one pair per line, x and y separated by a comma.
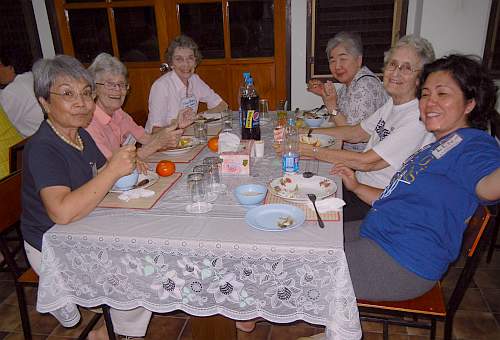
x,y
179,91
360,94
65,175
111,126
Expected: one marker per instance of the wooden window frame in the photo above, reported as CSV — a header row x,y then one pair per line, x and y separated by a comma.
x,y
398,30
491,36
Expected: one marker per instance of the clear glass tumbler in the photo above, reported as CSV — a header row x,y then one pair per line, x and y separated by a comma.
x,y
208,177
200,131
197,191
264,110
216,164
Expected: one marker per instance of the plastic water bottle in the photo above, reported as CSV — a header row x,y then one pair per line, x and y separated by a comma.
x,y
290,156
250,116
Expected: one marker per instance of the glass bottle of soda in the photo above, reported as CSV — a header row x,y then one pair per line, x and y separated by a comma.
x,y
250,124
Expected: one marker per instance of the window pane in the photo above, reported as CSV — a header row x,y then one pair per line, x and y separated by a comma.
x,y
136,33
203,23
90,33
251,25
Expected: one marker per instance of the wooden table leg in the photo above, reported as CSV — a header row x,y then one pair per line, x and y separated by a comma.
x,y
213,327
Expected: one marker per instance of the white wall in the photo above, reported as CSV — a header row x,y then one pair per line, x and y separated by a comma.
x,y
450,25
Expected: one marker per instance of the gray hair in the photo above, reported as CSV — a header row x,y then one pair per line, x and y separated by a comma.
x,y
350,40
182,41
46,71
105,62
422,47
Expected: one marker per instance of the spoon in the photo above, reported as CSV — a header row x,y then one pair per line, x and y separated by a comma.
x,y
312,198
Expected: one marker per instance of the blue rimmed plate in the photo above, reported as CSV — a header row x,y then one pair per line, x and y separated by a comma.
x,y
269,217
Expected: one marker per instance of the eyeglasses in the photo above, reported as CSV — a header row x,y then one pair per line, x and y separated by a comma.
x,y
71,95
109,85
178,59
405,68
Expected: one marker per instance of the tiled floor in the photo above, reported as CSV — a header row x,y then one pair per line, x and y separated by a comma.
x,y
477,319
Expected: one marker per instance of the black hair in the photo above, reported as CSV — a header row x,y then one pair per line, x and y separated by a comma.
x,y
474,81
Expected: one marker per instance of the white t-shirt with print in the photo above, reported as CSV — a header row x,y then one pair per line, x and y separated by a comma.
x,y
396,133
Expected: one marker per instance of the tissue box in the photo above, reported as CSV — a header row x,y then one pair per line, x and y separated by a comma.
x,y
237,162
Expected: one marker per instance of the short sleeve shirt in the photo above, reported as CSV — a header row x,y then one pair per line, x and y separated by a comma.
x,y
49,161
364,95
8,137
395,133
420,217
167,94
109,132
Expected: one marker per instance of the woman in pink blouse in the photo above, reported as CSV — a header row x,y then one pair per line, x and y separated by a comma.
x,y
111,126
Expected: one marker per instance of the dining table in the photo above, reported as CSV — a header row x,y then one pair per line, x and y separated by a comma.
x,y
214,264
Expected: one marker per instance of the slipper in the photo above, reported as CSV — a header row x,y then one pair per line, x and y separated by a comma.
x,y
245,326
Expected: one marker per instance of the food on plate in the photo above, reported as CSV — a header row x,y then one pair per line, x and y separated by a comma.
x,y
213,144
284,221
165,168
184,142
311,140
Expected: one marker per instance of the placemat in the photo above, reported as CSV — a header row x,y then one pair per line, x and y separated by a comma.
x,y
331,216
212,129
186,157
160,188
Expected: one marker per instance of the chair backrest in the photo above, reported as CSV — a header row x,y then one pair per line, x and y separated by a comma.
x,y
16,155
474,241
10,209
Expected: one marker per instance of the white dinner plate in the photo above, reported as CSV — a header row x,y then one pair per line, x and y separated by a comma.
x,y
180,150
267,217
151,176
324,141
296,187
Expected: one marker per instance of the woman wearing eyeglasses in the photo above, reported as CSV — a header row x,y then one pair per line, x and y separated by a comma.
x,y
179,91
392,133
111,126
59,183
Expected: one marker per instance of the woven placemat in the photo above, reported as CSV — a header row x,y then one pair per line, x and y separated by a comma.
x,y
160,188
331,216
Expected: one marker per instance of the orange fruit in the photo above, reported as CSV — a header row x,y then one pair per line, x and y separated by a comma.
x,y
165,168
213,144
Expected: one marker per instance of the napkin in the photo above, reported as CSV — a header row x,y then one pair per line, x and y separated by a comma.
x,y
135,193
327,204
228,142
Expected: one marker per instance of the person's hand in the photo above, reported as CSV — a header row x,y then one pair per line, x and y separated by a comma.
x,y
123,161
306,149
168,138
142,167
347,174
315,86
185,117
330,96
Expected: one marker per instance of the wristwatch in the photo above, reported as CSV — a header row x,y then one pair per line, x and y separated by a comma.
x,y
333,112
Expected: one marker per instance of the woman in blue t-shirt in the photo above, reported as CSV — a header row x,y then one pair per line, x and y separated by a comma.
x,y
415,227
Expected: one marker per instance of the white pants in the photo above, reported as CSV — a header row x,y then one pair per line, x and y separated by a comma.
x,y
132,322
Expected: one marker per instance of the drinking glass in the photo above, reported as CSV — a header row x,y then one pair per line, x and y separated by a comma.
x,y
216,164
281,112
227,118
208,178
200,131
197,191
264,110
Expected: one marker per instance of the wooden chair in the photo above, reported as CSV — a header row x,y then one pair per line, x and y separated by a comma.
x,y
16,155
10,214
424,311
495,132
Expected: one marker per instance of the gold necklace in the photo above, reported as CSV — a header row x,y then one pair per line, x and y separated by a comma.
x,y
79,142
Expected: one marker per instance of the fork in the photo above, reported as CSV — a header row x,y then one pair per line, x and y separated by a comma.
x,y
312,198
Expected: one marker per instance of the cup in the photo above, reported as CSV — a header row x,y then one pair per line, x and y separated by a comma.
x,y
264,110
197,192
208,178
200,131
216,164
227,118
281,112
259,148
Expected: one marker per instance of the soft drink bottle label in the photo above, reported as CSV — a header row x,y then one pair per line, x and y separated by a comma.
x,y
249,119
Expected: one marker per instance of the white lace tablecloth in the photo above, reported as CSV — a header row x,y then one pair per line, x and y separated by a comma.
x,y
166,259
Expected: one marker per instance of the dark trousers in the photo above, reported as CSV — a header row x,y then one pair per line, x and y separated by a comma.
x,y
355,209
